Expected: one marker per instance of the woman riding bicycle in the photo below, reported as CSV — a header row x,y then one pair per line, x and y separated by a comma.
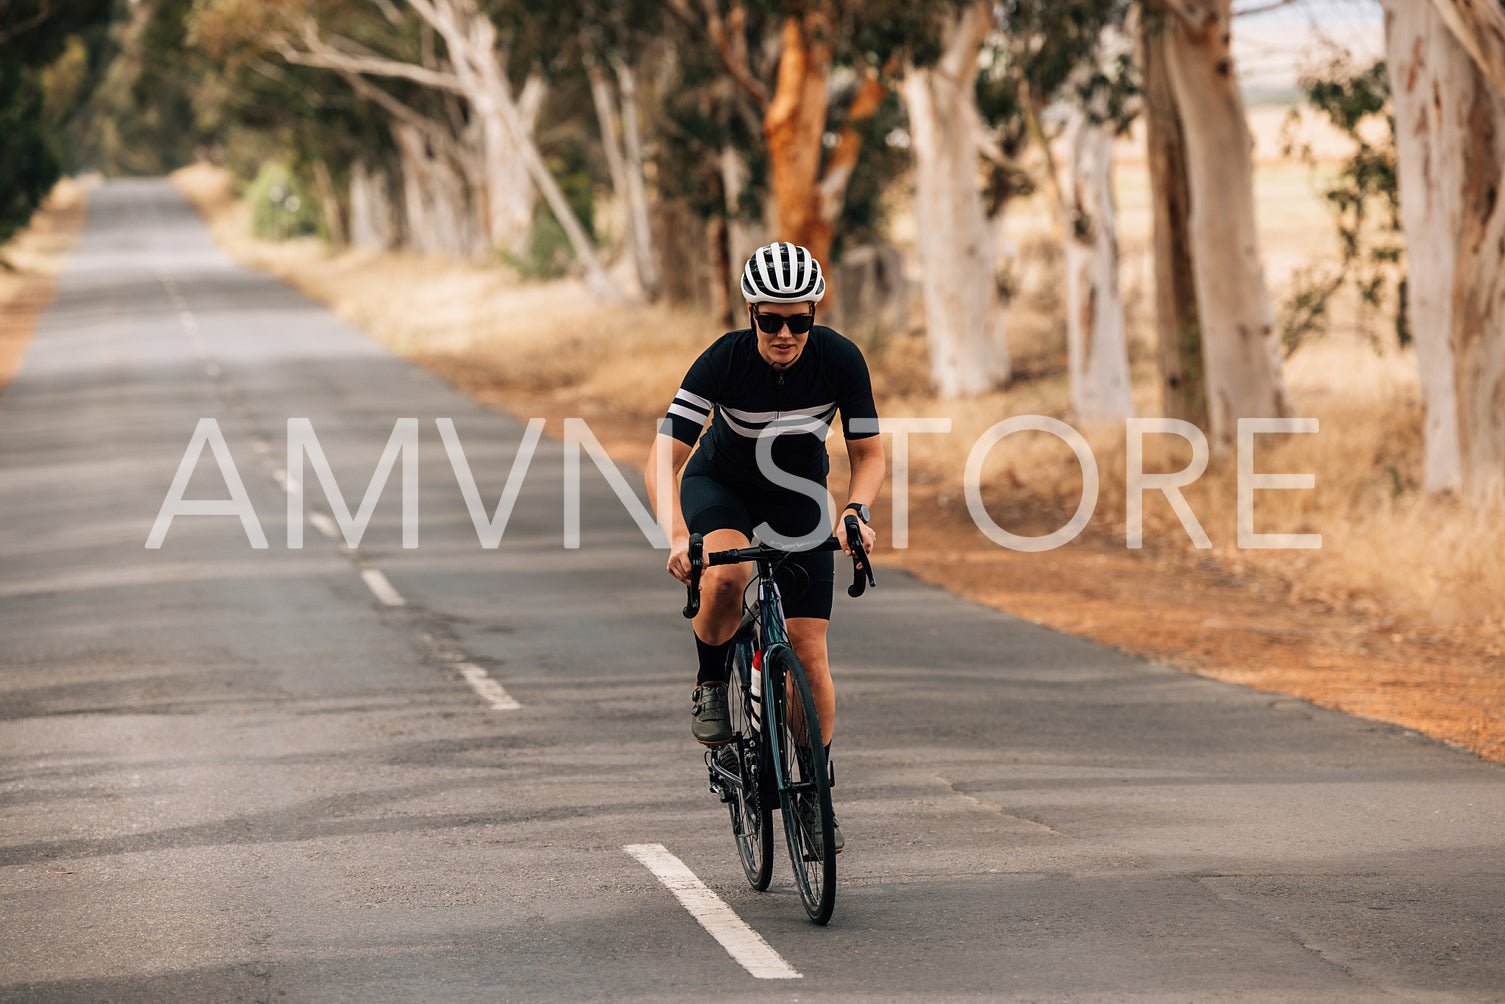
x,y
774,388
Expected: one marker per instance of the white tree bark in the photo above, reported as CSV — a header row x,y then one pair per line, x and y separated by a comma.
x,y
963,313
1479,26
435,199
500,191
1425,63
471,38
624,162
371,210
637,187
1478,332
742,238
1096,339
511,194
1240,348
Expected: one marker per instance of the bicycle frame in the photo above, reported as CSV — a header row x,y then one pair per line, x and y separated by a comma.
x,y
796,781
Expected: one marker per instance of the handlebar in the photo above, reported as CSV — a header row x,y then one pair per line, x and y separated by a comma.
x,y
862,566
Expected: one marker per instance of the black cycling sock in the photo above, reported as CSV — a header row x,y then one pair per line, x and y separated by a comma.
x,y
713,665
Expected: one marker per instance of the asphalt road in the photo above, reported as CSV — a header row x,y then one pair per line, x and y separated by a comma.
x,y
231,773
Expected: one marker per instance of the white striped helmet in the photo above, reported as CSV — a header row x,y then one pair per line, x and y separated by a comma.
x,y
782,273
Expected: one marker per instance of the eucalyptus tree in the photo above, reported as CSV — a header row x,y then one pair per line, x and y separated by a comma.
x,y
1072,62
964,322
1240,348
1447,65
457,48
808,76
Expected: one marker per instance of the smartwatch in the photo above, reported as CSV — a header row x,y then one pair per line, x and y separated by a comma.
x,y
862,511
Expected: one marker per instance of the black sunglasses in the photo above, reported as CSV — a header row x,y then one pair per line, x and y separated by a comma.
x,y
770,324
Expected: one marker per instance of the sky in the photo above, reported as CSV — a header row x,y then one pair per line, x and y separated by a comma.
x,y
1271,47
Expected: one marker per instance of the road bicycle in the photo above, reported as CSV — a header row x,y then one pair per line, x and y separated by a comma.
x,y
775,754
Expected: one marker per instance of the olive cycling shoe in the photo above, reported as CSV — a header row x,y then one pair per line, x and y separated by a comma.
x,y
711,726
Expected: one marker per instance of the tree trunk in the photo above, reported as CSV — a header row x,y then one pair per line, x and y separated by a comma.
x,y
1240,348
434,198
793,126
1183,391
329,204
510,194
1096,340
624,162
1479,26
1425,64
372,222
742,238
471,38
963,314
637,187
1479,300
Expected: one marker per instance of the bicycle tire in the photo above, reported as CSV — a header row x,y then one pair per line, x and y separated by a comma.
x,y
807,776
752,814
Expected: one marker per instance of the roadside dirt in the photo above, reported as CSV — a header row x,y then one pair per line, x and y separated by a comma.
x,y
1182,608
1208,613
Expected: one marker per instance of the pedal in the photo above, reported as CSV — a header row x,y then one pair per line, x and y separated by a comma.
x,y
717,787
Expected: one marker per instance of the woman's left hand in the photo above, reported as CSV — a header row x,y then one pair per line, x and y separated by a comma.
x,y
868,534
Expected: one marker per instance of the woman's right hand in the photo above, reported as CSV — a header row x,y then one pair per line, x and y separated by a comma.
x,y
679,559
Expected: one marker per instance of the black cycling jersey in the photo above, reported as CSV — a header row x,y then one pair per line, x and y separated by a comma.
x,y
751,399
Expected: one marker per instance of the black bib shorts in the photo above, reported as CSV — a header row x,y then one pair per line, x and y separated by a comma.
x,y
807,578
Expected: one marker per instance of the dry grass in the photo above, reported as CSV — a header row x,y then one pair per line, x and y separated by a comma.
x,y
1396,564
1388,549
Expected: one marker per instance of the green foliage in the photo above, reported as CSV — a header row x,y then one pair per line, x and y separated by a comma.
x,y
44,71
864,215
282,206
549,254
29,164
1047,53
1364,200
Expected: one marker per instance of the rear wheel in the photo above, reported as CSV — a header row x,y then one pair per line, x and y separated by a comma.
x,y
752,815
805,796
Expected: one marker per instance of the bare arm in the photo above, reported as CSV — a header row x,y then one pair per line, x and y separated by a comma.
x,y
867,463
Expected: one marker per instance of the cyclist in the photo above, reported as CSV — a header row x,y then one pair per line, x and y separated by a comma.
x,y
770,391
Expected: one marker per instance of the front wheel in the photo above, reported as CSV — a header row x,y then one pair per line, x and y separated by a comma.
x,y
752,814
805,792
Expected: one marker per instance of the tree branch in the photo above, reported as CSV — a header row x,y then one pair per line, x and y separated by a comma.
x,y
1195,16
1263,8
733,57
1479,26
43,13
322,55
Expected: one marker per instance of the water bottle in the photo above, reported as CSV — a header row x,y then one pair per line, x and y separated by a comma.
x,y
755,691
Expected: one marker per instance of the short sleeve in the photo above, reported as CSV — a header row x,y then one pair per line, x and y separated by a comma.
x,y
854,393
695,398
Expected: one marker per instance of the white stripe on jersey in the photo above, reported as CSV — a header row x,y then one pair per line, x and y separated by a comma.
x,y
788,425
825,411
697,417
704,404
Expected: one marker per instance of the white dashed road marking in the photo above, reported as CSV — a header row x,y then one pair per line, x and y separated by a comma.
x,y
741,942
381,588
324,525
489,689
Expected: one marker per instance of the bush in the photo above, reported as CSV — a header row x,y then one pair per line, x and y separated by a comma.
x,y
282,206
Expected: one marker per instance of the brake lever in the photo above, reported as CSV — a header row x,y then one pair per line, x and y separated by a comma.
x,y
862,577
697,562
